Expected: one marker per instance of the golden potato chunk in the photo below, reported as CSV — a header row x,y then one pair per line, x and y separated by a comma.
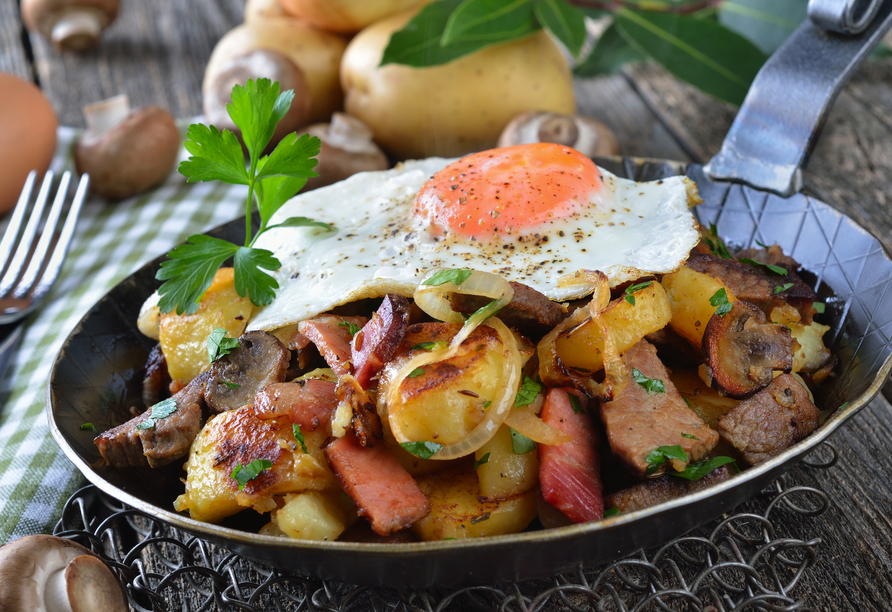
x,y
239,437
184,337
703,399
581,346
505,474
689,294
311,515
457,512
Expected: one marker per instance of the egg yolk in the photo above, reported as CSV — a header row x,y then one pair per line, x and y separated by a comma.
x,y
506,191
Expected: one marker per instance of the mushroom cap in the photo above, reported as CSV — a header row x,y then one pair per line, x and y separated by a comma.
x,y
130,156
347,148
69,24
585,134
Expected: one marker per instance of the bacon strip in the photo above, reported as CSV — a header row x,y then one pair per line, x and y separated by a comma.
x,y
307,403
569,474
376,343
382,489
331,335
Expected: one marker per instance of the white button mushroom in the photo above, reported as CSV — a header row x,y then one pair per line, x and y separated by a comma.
x,y
126,152
71,25
43,573
588,136
347,148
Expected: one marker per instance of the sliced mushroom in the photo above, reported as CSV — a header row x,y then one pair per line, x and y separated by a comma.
x,y
126,152
588,136
347,148
255,64
43,573
742,350
71,25
235,379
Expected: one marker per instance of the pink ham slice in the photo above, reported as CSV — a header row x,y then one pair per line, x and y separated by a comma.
x,y
376,343
381,488
331,335
307,403
569,474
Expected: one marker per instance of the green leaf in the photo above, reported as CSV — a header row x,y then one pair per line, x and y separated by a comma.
x,y
215,156
488,22
651,385
219,344
720,300
609,54
662,454
418,43
162,409
190,271
844,405
707,55
782,288
630,298
425,450
430,346
89,427
273,191
293,157
564,20
775,269
612,512
243,474
299,436
819,307
767,23
454,276
481,461
528,391
231,385
303,222
256,108
689,436
415,373
484,312
696,471
575,403
250,280
351,327
520,444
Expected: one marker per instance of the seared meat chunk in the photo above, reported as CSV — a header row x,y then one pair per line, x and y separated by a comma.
x,y
307,403
772,420
259,360
639,420
120,446
528,311
742,350
757,284
773,256
331,335
156,377
376,343
658,490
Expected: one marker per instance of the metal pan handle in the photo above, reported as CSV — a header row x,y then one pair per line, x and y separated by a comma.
x,y
774,132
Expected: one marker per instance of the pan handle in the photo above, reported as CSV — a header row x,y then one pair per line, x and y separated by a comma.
x,y
774,132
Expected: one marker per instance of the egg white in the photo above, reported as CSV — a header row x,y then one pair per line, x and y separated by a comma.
x,y
632,230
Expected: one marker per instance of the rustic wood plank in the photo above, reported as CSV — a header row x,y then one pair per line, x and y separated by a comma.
x,y
155,52
13,57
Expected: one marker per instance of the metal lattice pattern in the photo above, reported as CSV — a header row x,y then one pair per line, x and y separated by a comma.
x,y
738,562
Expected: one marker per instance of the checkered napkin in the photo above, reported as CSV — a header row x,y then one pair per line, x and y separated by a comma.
x,y
112,240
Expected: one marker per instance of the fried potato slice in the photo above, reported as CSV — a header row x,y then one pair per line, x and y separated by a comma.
x,y
505,473
689,294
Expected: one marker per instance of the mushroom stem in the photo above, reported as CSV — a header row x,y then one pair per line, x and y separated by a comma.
x,y
55,594
350,134
77,30
103,115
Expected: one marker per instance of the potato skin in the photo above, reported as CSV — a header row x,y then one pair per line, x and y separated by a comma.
x,y
345,16
458,107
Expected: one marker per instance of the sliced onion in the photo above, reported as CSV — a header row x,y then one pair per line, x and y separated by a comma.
x,y
616,377
536,429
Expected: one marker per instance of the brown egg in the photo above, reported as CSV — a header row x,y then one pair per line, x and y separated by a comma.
x,y
27,136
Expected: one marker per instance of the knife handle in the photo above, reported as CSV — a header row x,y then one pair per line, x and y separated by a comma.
x,y
780,119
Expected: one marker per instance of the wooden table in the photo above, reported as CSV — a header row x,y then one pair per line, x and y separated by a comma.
x,y
156,53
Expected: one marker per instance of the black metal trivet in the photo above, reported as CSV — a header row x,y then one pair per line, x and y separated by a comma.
x,y
737,562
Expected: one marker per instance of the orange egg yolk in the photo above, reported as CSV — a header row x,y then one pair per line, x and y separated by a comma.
x,y
508,191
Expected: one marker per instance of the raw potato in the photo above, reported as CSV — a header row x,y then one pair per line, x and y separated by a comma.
x,y
506,474
689,293
240,437
317,53
456,108
628,324
184,337
456,511
346,16
311,515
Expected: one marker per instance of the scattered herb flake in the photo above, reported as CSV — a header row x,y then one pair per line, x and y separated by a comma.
x,y
416,373
719,299
819,307
219,344
299,436
773,268
520,444
430,346
662,454
844,405
574,401
782,288
687,402
243,474
528,391
454,276
89,427
481,461
425,450
231,385
633,288
612,512
689,436
696,471
651,385
484,312
353,328
718,247
162,409
487,404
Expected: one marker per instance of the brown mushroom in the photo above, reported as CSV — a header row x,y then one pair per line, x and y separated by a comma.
x,y
43,573
126,151
71,25
347,148
588,136
742,350
259,63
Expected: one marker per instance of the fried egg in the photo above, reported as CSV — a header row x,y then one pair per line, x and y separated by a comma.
x,y
530,213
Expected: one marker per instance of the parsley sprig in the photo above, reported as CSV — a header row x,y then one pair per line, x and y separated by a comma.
x,y
272,180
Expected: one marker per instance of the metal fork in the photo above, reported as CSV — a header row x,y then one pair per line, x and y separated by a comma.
x,y
29,271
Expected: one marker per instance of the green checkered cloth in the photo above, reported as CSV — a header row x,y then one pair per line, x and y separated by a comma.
x,y
112,240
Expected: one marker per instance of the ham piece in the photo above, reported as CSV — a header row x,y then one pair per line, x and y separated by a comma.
x,y
308,403
331,335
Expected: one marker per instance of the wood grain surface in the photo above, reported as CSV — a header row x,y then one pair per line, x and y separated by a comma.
x,y
156,53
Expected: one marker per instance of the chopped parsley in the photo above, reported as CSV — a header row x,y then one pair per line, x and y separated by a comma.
x,y
699,469
162,409
651,385
231,385
528,392
718,247
298,436
219,344
481,461
454,276
662,454
775,269
487,404
689,436
844,405
633,288
243,474
819,307
425,450
353,328
416,373
782,288
89,427
764,246
612,512
520,444
574,401
719,299
430,346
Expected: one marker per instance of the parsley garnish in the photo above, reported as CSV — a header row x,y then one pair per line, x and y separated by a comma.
x,y
219,344
720,299
243,474
689,436
528,391
430,346
295,428
662,454
652,385
696,471
484,312
782,288
487,404
775,269
425,450
633,288
574,401
351,327
162,409
764,246
612,512
89,427
481,461
686,402
520,444
416,373
231,385
819,307
718,247
256,108
454,276
844,405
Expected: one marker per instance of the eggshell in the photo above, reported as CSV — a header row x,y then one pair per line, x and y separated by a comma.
x,y
27,136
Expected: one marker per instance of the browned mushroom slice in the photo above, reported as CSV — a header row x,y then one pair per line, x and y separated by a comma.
x,y
774,419
235,379
742,350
